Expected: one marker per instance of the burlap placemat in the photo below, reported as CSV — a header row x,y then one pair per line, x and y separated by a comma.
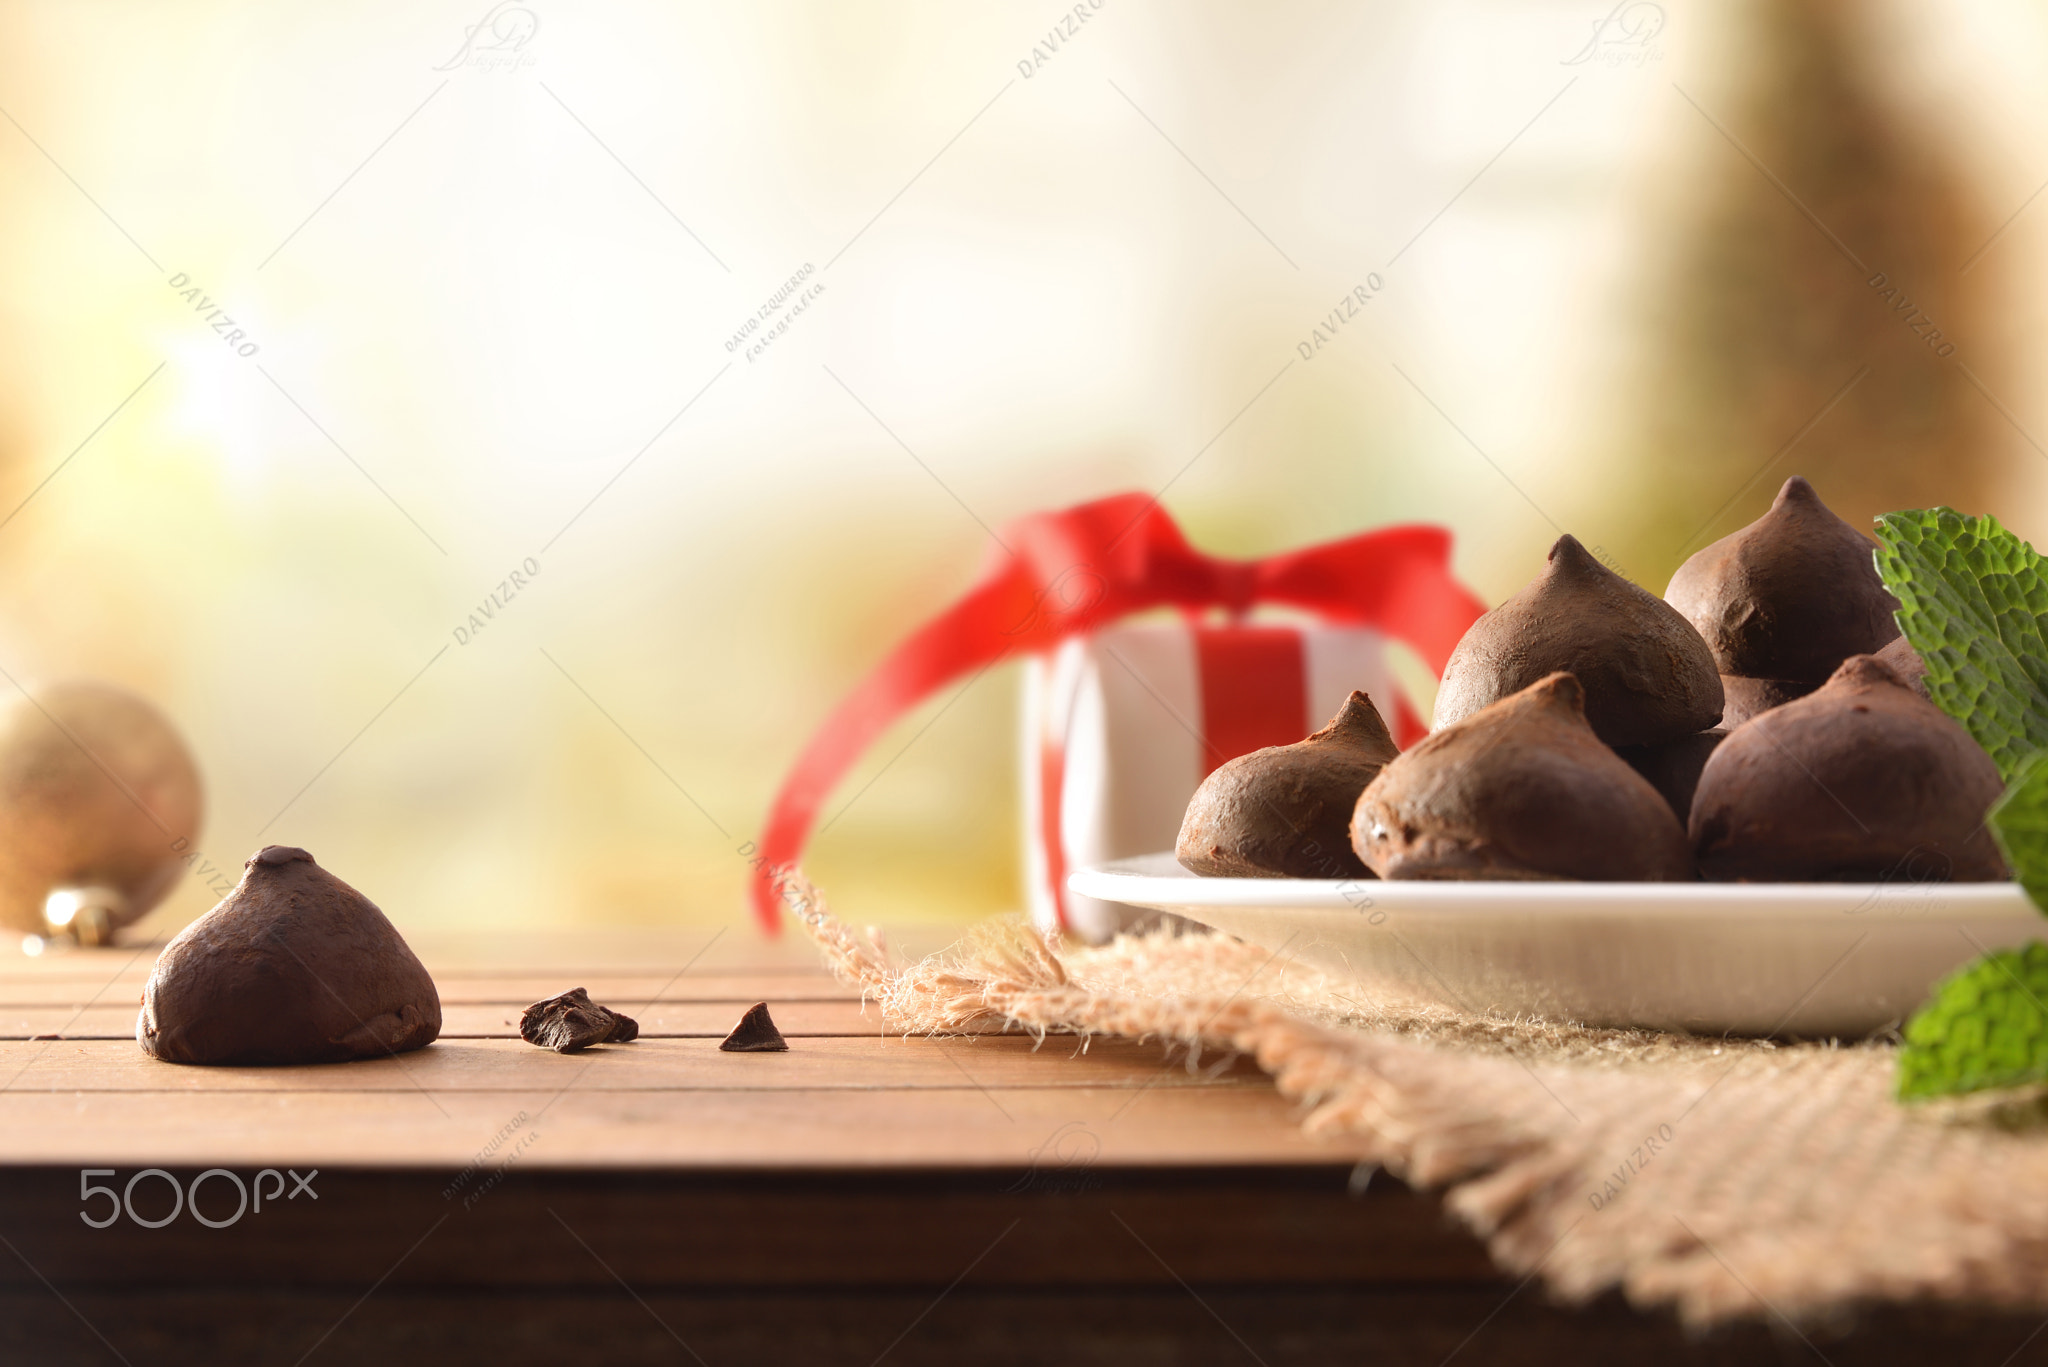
x,y
1725,1178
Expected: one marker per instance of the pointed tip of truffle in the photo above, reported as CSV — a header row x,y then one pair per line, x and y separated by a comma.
x,y
1561,689
1569,549
755,1034
1360,722
1865,671
1796,490
1568,555
270,856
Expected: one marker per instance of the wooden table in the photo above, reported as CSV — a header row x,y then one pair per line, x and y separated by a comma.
x,y
859,1198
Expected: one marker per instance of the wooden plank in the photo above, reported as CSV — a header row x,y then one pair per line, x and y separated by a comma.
x,y
627,991
582,1127
519,952
1264,1226
866,1063
1202,1325
685,1020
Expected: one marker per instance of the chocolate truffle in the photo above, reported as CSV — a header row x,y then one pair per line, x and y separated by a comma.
x,y
1788,597
1521,789
1748,697
1673,767
1645,674
1862,780
293,966
1904,661
1285,811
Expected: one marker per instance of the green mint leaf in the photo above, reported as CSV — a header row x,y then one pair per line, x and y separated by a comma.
x,y
1985,1026
2019,822
1972,600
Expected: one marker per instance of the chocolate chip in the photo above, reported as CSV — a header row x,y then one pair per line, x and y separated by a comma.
x,y
755,1034
573,1021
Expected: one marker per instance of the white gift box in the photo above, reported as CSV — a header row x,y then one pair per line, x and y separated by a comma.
x,y
1121,726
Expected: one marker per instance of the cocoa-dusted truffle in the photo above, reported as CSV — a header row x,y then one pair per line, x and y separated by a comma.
x,y
1788,597
1521,789
1673,767
293,966
1285,811
1904,661
1748,697
1645,673
573,1021
1862,780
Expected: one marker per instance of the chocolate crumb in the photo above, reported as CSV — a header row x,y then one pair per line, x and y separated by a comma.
x,y
755,1034
49,1036
573,1021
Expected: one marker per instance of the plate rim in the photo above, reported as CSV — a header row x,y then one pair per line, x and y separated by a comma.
x,y
1145,881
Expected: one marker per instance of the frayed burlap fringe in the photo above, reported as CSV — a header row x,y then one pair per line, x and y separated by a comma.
x,y
1724,1178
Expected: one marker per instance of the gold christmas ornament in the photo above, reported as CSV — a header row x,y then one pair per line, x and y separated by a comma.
x,y
99,805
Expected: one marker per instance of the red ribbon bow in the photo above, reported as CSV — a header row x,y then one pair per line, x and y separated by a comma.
x,y
1064,573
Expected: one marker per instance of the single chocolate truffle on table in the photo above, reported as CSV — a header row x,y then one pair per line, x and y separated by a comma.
x,y
1785,600
1285,811
1643,671
293,966
1521,789
1862,780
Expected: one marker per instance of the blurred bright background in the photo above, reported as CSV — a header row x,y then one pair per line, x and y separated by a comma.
x,y
1622,257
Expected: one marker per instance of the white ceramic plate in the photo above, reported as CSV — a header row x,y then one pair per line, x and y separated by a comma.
x,y
1805,959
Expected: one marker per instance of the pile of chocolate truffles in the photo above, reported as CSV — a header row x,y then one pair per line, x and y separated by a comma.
x,y
1764,721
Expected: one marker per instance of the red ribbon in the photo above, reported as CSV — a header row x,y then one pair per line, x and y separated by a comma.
x,y
1065,573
